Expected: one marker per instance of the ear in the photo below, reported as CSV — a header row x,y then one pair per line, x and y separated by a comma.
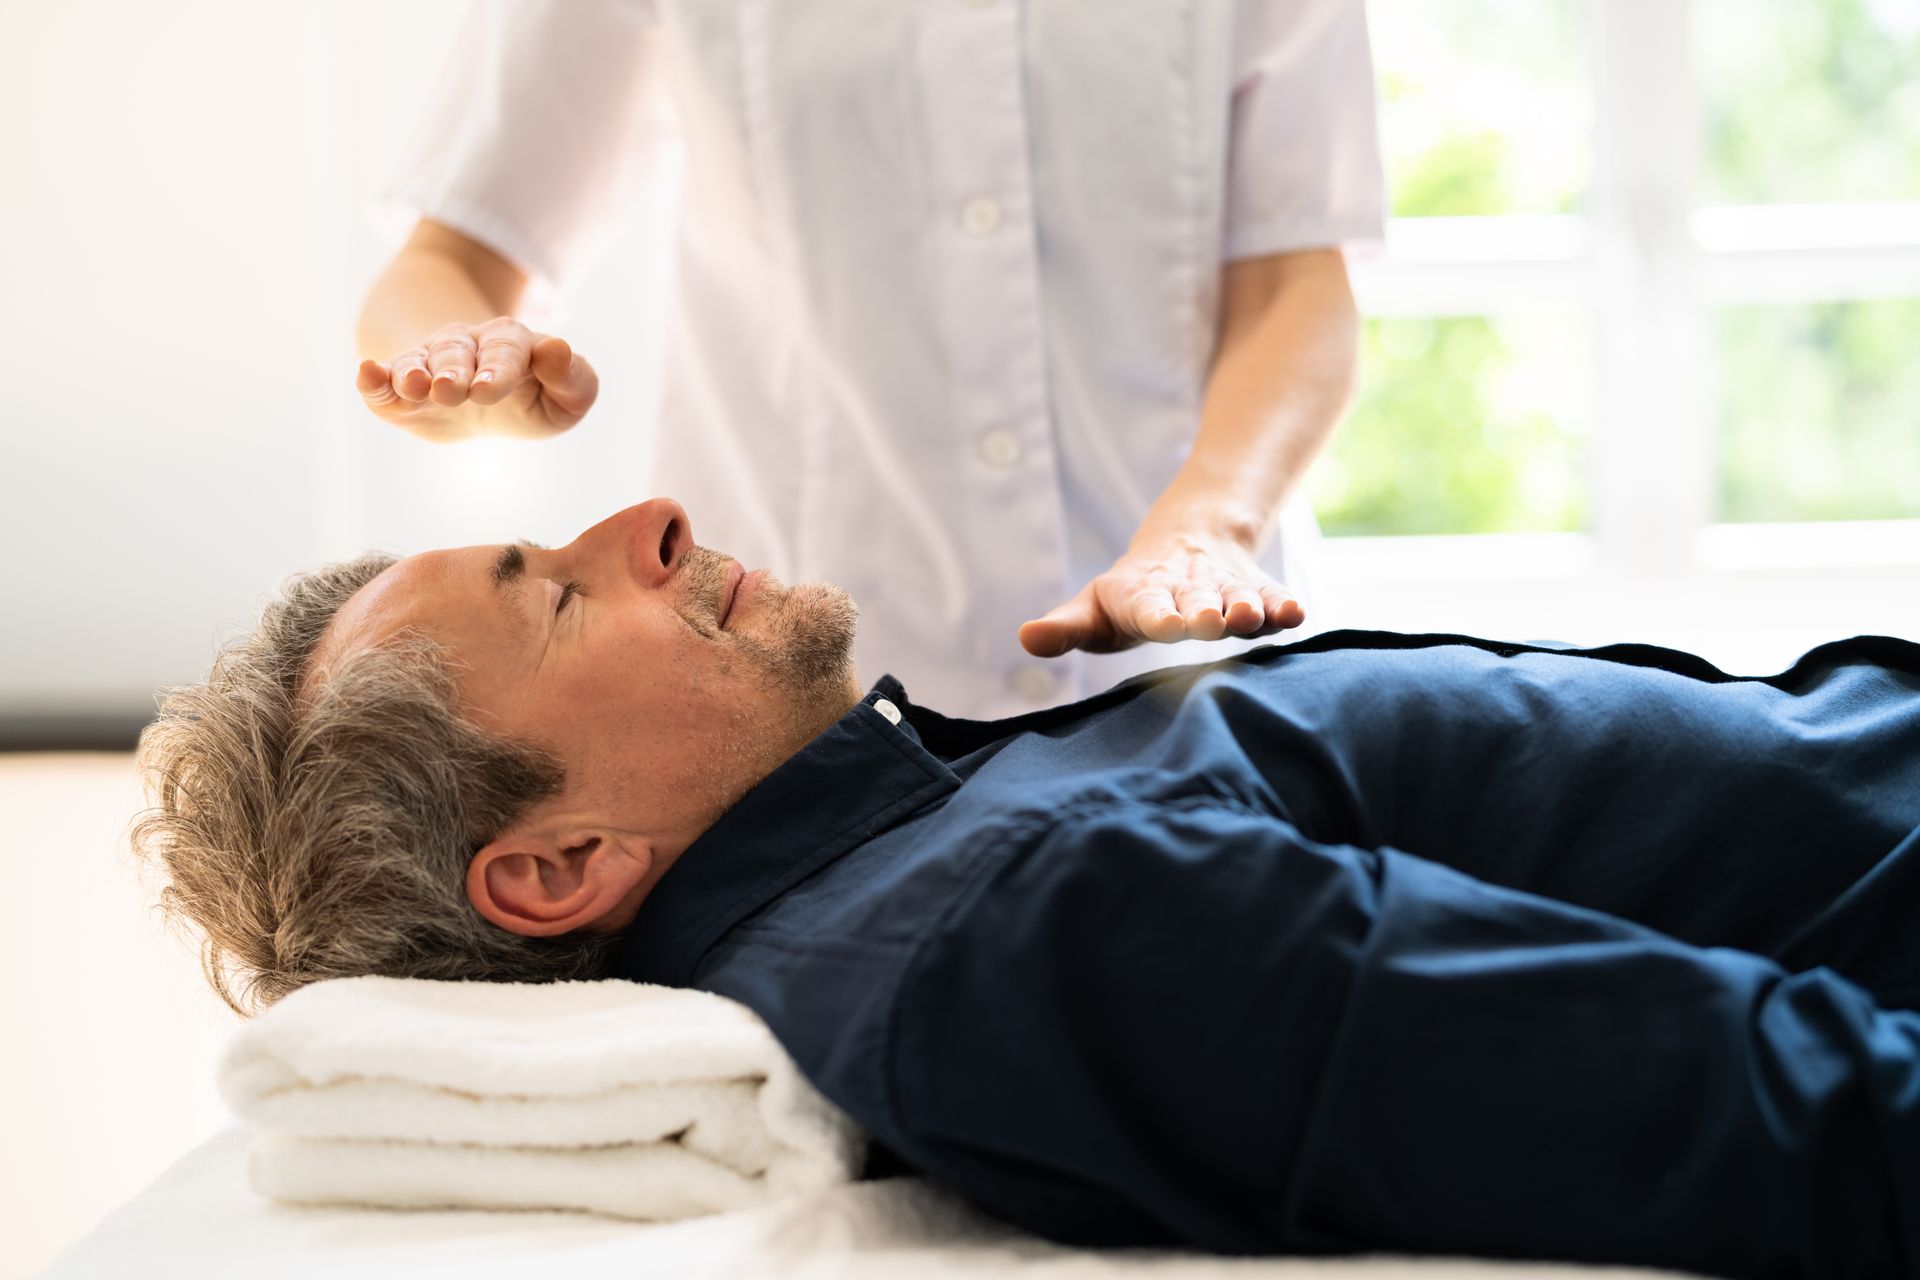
x,y
542,881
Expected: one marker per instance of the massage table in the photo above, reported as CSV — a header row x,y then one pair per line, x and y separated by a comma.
x,y
200,1219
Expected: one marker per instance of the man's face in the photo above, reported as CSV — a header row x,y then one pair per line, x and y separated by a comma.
x,y
665,679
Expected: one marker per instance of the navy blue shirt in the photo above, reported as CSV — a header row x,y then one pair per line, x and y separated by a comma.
x,y
1366,942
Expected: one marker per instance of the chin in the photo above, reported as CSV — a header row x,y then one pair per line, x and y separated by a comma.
x,y
808,651
833,619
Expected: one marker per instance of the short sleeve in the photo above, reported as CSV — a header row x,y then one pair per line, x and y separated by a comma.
x,y
546,115
1303,158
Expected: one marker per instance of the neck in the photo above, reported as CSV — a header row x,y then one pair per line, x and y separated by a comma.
x,y
760,754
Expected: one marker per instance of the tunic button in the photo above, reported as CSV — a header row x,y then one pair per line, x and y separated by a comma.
x,y
1033,684
980,216
887,709
1000,449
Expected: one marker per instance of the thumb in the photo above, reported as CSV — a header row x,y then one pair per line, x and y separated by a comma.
x,y
568,384
1073,625
374,382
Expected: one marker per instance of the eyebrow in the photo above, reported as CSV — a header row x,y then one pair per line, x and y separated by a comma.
x,y
509,567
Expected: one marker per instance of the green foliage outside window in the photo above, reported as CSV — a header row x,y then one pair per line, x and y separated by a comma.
x,y
1819,411
1471,424
1485,105
1478,424
1809,101
1464,425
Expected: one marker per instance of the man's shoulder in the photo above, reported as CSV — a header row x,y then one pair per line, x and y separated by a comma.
x,y
964,870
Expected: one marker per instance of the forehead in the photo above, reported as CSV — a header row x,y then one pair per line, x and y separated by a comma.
x,y
450,594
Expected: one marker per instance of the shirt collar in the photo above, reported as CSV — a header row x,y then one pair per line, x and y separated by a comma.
x,y
861,776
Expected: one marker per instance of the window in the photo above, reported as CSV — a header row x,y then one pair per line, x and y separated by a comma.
x,y
1818,410
1468,424
1645,323
1808,101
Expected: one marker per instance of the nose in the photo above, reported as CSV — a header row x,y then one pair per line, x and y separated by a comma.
x,y
646,540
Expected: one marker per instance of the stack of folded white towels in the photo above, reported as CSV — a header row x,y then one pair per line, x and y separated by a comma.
x,y
612,1097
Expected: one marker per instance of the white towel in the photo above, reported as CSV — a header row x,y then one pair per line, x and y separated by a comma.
x,y
638,1101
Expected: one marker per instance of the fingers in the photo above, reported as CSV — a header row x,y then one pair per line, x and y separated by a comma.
x,y
504,350
568,384
1155,617
1078,624
1125,606
1263,611
375,384
450,354
1048,637
409,376
1246,612
517,382
1202,611
1282,610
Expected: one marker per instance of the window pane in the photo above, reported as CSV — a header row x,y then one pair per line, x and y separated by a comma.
x,y
1819,411
1486,105
1810,101
1464,425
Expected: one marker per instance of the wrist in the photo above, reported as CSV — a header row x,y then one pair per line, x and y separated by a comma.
x,y
1211,516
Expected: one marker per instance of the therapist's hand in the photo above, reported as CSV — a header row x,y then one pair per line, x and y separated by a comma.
x,y
1169,586
498,378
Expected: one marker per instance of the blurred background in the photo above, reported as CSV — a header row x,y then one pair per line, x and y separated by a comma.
x,y
1639,364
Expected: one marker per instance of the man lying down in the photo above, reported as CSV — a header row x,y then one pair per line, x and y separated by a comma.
x,y
1367,942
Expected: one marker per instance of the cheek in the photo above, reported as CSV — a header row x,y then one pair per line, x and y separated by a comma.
x,y
630,679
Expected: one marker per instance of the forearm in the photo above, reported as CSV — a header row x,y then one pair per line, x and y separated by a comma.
x,y
1282,376
438,277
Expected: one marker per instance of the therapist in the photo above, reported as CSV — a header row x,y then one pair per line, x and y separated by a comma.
x,y
1025,317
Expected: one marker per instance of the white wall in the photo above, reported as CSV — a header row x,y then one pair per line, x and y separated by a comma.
x,y
185,233
108,1074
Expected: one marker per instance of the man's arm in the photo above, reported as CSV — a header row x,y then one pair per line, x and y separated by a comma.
x,y
1187,1023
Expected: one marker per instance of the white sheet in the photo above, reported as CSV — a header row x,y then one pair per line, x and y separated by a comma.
x,y
200,1221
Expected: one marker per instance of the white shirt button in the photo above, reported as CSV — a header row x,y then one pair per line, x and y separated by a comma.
x,y
887,709
980,216
1000,449
1034,684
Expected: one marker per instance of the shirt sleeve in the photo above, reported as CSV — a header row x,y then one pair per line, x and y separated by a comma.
x,y
1303,147
546,115
1193,1025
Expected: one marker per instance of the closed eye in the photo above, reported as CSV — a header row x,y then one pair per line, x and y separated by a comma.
x,y
567,592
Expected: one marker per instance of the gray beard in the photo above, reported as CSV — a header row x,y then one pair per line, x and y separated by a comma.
x,y
807,651
806,667
812,657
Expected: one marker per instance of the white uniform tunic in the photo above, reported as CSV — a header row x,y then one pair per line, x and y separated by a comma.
x,y
947,270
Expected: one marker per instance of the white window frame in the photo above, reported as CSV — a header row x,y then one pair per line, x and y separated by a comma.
x,y
1648,267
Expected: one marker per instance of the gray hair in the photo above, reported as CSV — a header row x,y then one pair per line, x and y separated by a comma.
x,y
320,825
